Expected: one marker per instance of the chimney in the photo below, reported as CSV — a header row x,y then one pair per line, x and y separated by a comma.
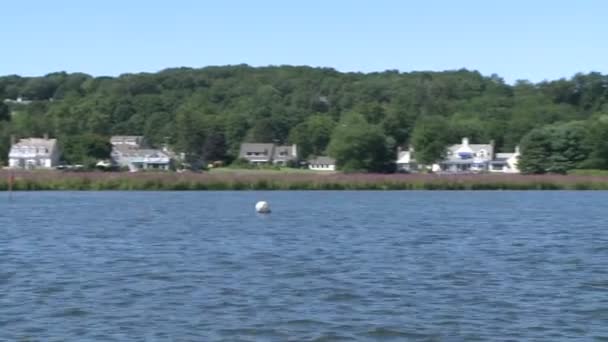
x,y
517,149
13,139
46,136
294,150
465,142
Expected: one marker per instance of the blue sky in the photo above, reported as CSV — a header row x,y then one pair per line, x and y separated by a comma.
x,y
516,39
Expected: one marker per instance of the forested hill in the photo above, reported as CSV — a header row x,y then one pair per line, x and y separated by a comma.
x,y
208,112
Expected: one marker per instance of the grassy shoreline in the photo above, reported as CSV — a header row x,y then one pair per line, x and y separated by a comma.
x,y
55,180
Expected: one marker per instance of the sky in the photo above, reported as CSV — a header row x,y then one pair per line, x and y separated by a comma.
x,y
533,40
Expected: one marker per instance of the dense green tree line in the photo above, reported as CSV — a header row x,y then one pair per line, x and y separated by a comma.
x,y
358,118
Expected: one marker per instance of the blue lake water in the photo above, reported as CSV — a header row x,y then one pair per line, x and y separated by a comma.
x,y
324,266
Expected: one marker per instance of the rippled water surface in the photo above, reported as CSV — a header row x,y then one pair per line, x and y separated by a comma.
x,y
324,266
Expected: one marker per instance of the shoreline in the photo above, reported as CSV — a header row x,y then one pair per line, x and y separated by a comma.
x,y
93,181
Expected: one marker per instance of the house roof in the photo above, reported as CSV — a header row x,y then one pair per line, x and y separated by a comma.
x,y
33,147
504,156
36,142
474,147
322,160
139,153
123,137
266,149
126,139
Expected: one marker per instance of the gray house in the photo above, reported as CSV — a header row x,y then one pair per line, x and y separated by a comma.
x,y
284,154
257,153
128,151
140,158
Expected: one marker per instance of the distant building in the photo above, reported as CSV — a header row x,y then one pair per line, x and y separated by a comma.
x,y
140,159
257,153
322,164
284,154
18,100
405,161
467,157
129,151
34,153
506,162
464,157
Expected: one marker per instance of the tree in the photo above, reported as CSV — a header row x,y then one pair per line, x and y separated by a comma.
x,y
359,146
236,128
261,132
299,135
598,143
429,139
555,148
5,114
399,122
535,152
85,149
569,147
466,126
183,106
5,141
40,88
190,136
313,135
214,147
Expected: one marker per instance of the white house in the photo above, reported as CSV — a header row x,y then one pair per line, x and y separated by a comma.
x,y
322,164
506,162
405,160
467,157
34,153
464,157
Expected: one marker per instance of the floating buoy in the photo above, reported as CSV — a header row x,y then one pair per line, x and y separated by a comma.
x,y
262,207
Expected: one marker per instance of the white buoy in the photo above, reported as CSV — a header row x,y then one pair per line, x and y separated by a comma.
x,y
262,207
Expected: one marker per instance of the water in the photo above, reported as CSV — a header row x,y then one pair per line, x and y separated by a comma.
x,y
324,266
